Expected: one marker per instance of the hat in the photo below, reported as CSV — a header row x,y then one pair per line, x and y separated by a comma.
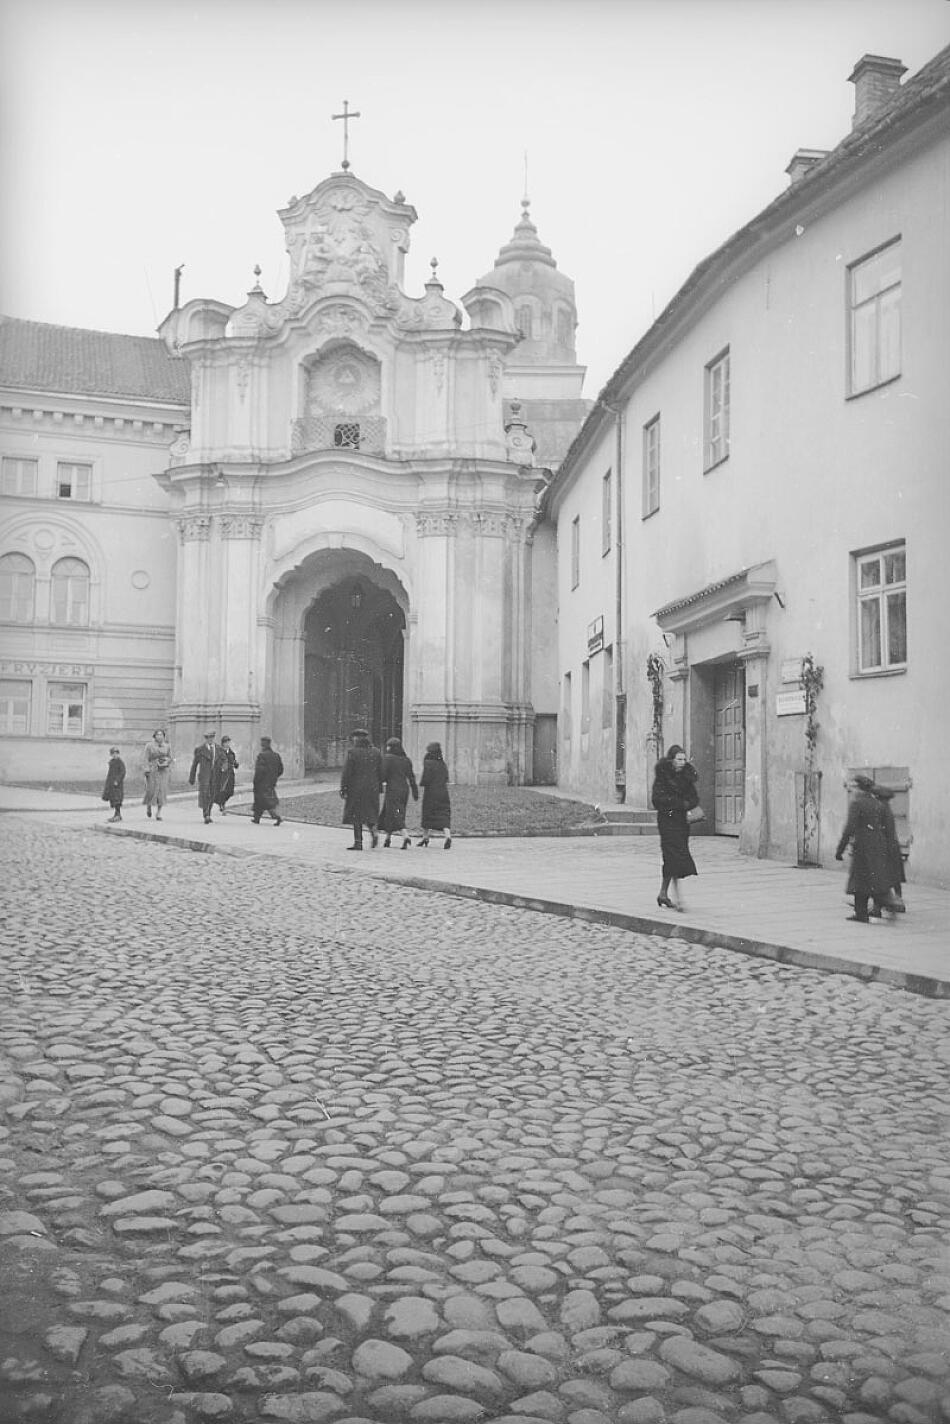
x,y
113,751
225,739
863,783
210,734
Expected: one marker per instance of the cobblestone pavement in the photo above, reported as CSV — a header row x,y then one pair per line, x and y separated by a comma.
x,y
289,1144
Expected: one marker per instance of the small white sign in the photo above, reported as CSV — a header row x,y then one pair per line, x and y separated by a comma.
x,y
595,635
790,704
792,670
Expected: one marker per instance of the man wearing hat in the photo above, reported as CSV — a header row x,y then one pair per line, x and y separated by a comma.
x,y
866,832
204,769
360,787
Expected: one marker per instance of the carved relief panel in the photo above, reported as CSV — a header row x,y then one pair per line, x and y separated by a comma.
x,y
343,381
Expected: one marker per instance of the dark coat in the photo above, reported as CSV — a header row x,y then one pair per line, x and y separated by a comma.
x,y
114,789
400,779
361,784
204,765
674,793
866,832
267,768
895,855
227,766
436,806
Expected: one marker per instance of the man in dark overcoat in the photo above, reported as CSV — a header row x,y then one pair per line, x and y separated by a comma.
x,y
268,768
866,832
360,786
204,771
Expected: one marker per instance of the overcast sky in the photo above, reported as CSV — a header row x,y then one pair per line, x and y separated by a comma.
x,y
139,134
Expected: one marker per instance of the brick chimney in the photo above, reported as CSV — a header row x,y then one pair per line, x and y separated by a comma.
x,y
803,161
876,80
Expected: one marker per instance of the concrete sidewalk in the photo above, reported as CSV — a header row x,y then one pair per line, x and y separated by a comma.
x,y
757,907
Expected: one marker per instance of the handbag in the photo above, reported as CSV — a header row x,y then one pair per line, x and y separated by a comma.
x,y
696,813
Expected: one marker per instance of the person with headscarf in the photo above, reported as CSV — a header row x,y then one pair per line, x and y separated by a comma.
x,y
436,806
866,832
399,780
674,796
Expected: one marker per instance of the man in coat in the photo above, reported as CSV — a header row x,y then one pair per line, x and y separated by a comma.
x,y
866,831
267,769
204,770
360,787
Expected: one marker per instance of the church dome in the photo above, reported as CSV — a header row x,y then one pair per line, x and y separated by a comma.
x,y
543,297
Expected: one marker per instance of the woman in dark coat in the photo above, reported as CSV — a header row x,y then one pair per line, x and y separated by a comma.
x,y
399,780
227,766
114,789
866,832
674,793
895,855
268,769
360,787
436,806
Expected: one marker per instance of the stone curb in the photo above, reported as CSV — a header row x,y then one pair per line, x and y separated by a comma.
x,y
919,984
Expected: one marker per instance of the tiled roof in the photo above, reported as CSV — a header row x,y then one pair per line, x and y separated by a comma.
x,y
69,360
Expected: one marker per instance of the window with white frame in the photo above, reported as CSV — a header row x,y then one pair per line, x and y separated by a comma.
x,y
606,503
15,698
73,481
575,551
651,467
18,476
65,709
716,442
69,602
881,592
17,584
607,704
874,298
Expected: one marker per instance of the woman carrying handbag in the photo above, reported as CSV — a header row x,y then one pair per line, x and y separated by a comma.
x,y
676,801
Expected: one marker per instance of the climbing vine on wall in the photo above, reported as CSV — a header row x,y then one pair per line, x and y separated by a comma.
x,y
813,680
655,671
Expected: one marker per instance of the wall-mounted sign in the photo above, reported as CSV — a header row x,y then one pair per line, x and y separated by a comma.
x,y
790,704
29,668
791,670
595,635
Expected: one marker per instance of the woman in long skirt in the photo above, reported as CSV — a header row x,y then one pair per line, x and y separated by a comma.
x,y
674,794
158,760
399,780
436,806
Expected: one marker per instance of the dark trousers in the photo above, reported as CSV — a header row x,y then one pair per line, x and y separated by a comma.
x,y
358,831
861,905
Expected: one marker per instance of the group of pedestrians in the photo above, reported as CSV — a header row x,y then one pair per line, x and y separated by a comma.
x,y
877,864
213,768
370,777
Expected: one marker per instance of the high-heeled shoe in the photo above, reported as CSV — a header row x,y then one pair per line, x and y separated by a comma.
x,y
406,843
664,903
424,841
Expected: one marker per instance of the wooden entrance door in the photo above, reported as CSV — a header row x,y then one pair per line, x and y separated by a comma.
x,y
730,749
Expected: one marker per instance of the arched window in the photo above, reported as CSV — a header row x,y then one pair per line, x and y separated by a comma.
x,y
17,578
70,602
565,328
525,321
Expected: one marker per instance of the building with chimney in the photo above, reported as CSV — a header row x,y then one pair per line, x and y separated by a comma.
x,y
295,516
750,518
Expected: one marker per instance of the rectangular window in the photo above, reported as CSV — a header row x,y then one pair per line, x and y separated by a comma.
x,y
66,709
19,476
874,299
15,698
881,591
73,481
716,443
607,704
585,697
651,467
575,552
606,494
566,712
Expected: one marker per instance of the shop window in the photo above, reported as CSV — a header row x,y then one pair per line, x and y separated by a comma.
x,y
66,709
15,704
17,585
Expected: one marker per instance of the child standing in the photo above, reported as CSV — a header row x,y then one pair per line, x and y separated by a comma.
x,y
114,789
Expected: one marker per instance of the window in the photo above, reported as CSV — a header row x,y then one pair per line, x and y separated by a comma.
x,y
525,322
881,585
74,481
70,593
651,467
66,709
19,476
607,706
605,509
575,552
17,577
585,696
15,698
346,437
565,328
717,411
875,311
566,707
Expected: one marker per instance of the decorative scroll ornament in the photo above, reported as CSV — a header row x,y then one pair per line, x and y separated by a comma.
x,y
179,448
241,526
194,527
494,373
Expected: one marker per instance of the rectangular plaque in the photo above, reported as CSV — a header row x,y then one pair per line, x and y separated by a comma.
x,y
790,704
792,670
595,635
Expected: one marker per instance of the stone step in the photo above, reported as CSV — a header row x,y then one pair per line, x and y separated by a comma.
x,y
628,815
626,828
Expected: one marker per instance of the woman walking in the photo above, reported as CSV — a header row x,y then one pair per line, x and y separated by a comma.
x,y
436,806
399,779
227,766
674,796
158,760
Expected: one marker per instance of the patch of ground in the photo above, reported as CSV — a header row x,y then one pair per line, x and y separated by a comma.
x,y
476,810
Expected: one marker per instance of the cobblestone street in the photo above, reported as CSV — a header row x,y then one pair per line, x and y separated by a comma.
x,y
286,1143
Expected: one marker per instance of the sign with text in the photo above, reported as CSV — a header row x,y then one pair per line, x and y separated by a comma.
x,y
28,668
595,635
790,704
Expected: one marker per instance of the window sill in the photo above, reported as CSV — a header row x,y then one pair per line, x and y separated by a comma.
x,y
708,469
878,672
869,390
649,514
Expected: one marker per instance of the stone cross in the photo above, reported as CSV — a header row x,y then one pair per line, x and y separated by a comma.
x,y
346,116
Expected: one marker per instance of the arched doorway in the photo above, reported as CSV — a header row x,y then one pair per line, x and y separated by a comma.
x,y
353,669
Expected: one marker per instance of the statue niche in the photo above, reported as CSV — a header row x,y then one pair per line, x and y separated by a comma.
x,y
340,400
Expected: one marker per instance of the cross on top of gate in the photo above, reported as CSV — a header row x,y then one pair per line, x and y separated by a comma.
x,y
346,115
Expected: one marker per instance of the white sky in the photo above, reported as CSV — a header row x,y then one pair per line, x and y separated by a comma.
x,y
138,134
